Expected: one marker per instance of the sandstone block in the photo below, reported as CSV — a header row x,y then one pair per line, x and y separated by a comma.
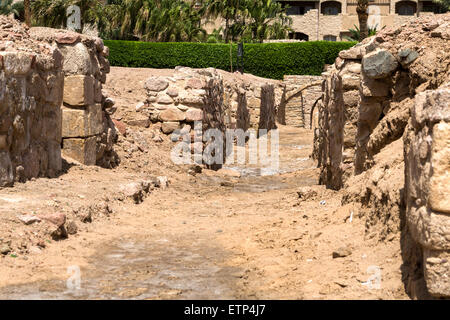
x,y
156,84
437,272
194,115
439,192
79,90
84,150
164,99
169,127
17,63
374,88
172,114
77,59
82,122
379,64
6,170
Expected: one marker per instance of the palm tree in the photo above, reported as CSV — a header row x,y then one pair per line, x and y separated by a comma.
x,y
7,8
27,10
267,19
226,9
444,3
355,33
363,15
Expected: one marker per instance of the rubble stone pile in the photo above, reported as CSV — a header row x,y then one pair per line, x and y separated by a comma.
x,y
394,85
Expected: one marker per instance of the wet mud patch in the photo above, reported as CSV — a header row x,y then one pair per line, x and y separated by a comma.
x,y
142,269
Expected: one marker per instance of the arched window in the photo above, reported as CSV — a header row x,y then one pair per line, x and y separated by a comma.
x,y
405,8
298,36
331,8
329,38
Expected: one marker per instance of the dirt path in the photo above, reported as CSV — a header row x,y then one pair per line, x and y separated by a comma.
x,y
212,236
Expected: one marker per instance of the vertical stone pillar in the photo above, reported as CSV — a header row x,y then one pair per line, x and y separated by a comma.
x,y
427,183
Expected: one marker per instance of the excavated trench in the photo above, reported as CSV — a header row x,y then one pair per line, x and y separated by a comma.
x,y
168,265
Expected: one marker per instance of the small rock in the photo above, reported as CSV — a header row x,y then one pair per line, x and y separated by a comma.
x,y
342,252
305,193
140,106
28,219
58,219
72,227
157,138
5,250
163,182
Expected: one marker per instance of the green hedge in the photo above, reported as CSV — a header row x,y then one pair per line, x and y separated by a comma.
x,y
269,60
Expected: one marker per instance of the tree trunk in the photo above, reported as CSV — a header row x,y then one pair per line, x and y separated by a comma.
x,y
227,27
361,10
27,13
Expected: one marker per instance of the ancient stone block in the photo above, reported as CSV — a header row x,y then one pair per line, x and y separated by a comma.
x,y
172,114
6,170
156,84
379,64
17,63
439,196
4,145
194,115
82,122
83,150
164,99
374,88
79,90
77,59
169,127
437,272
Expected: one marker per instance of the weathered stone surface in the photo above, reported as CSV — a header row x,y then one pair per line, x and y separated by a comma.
x,y
407,56
67,37
195,83
169,127
437,272
172,114
58,219
79,90
84,122
6,170
84,150
156,84
194,115
77,59
374,88
172,92
17,63
379,64
439,197
164,99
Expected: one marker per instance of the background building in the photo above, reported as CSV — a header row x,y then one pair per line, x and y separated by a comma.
x,y
331,20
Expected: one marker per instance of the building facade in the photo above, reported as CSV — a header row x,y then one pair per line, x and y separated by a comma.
x,y
331,20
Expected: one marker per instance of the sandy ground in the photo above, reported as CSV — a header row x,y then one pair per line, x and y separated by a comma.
x,y
209,236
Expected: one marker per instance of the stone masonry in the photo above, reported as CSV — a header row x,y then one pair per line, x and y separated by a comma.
x,y
393,85
298,109
31,93
87,130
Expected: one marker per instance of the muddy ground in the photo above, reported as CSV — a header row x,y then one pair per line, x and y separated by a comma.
x,y
212,235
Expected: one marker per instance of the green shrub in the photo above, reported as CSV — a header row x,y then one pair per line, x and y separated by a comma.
x,y
269,60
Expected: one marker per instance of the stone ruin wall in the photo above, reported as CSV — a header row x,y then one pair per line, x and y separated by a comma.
x,y
298,109
427,183
394,85
88,133
30,98
175,102
51,98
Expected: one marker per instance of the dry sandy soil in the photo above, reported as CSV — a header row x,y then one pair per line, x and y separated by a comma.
x,y
212,235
